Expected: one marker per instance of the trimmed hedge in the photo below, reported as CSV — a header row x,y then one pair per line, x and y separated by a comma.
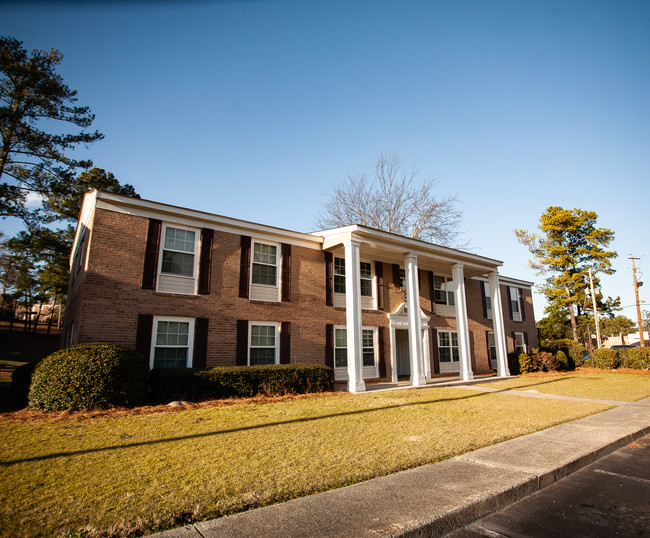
x,y
513,363
562,360
635,357
606,358
239,381
89,376
21,378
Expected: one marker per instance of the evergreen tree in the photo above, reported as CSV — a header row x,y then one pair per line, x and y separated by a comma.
x,y
569,244
36,110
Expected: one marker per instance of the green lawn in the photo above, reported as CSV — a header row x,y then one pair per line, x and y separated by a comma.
x,y
622,387
141,473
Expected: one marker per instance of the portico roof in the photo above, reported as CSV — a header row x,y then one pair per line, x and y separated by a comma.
x,y
391,248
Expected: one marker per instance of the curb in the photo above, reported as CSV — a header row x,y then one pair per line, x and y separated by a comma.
x,y
485,505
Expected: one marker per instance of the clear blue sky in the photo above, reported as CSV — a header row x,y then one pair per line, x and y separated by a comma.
x,y
255,109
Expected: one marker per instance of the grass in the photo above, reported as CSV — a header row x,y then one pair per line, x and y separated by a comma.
x,y
585,383
139,473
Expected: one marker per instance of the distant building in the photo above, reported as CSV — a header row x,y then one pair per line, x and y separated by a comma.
x,y
193,289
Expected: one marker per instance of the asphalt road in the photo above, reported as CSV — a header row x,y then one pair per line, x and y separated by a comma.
x,y
610,497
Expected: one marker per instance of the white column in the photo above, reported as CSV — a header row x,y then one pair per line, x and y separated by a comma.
x,y
415,326
353,315
497,323
462,327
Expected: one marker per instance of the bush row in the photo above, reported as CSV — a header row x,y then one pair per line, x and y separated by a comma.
x,y
631,357
239,381
102,375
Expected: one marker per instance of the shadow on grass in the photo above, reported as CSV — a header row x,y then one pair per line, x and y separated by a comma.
x,y
233,430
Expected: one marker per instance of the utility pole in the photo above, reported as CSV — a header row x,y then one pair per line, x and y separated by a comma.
x,y
636,294
593,298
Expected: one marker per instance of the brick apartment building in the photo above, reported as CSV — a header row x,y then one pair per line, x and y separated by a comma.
x,y
193,289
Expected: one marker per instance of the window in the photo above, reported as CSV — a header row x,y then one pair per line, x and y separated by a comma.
x,y
448,346
365,280
492,347
340,348
341,345
488,299
514,304
443,290
339,275
263,345
402,278
265,264
520,343
172,345
178,252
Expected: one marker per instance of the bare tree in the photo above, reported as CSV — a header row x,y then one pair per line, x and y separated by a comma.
x,y
394,201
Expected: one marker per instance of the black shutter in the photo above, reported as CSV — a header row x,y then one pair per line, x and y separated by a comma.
x,y
143,335
241,354
431,295
514,342
379,273
484,299
205,260
396,278
244,266
509,301
329,345
285,342
522,304
286,272
434,351
329,279
200,352
151,255
419,281
381,332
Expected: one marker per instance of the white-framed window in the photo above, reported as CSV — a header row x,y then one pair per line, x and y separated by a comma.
x,y
263,343
488,300
265,264
448,346
492,349
368,345
178,260
514,304
171,345
178,251
520,343
365,281
339,275
402,278
443,290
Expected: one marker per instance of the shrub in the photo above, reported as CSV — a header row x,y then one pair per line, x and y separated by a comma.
x,y
605,358
562,360
577,353
21,378
638,357
89,376
526,363
513,363
239,381
546,361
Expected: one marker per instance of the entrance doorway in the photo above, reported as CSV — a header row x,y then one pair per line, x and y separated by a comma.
x,y
402,352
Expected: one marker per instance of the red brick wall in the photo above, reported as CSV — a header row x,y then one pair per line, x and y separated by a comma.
x,y
104,301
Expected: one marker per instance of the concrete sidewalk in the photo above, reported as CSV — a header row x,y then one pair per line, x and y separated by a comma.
x,y
435,499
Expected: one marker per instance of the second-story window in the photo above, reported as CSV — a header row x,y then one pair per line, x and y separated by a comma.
x,y
365,281
443,290
178,252
514,304
265,264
